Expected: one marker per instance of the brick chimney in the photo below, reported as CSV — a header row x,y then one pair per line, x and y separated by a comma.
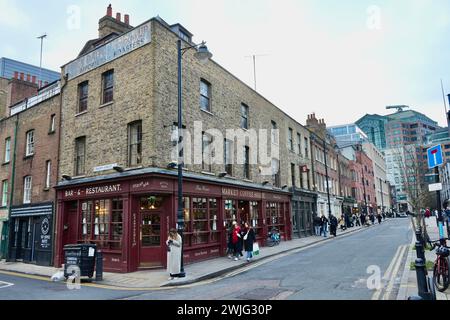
x,y
19,89
108,24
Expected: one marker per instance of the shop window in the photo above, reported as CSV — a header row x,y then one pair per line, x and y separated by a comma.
x,y
135,143
229,213
274,216
255,217
102,223
201,217
151,203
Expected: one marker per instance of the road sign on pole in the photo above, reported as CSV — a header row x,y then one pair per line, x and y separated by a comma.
x,y
435,158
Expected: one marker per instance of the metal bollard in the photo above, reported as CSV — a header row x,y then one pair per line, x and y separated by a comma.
x,y
99,266
420,251
422,284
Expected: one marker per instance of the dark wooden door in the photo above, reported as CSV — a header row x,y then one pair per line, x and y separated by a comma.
x,y
152,239
70,234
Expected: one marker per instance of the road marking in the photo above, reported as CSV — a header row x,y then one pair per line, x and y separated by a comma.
x,y
395,273
387,274
4,284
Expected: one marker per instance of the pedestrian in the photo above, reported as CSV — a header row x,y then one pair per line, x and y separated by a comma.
x,y
362,217
379,217
236,239
372,218
333,225
427,213
357,220
230,247
341,223
324,225
249,240
317,225
174,243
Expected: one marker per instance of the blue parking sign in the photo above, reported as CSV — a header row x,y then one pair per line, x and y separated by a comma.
x,y
435,158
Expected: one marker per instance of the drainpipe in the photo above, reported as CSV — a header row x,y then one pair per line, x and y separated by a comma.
x,y
55,206
11,195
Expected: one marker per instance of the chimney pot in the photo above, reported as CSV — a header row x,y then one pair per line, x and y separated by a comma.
x,y
109,11
28,78
127,19
118,16
22,75
16,75
33,79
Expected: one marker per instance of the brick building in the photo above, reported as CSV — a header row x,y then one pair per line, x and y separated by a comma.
x,y
29,143
119,111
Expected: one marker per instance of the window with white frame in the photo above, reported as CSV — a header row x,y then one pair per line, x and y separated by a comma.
x,y
48,167
4,193
52,123
30,143
27,189
7,150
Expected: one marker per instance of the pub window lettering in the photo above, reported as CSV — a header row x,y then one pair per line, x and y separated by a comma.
x,y
80,153
135,143
108,87
83,93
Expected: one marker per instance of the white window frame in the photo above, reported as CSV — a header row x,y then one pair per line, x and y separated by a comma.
x,y
48,174
4,193
30,143
7,157
53,123
27,187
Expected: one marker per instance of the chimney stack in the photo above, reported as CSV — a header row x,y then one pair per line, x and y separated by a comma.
x,y
118,17
109,11
127,19
16,75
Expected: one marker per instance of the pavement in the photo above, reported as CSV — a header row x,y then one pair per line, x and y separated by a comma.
x,y
408,286
200,271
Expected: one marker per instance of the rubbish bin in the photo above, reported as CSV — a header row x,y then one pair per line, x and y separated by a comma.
x,y
82,256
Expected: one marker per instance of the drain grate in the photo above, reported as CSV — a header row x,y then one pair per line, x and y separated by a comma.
x,y
260,294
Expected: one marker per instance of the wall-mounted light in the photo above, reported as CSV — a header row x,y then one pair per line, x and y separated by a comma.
x,y
222,174
66,177
265,183
118,169
172,165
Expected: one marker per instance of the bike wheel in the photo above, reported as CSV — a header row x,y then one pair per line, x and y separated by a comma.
x,y
441,277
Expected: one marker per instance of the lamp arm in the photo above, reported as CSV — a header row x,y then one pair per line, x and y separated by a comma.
x,y
184,50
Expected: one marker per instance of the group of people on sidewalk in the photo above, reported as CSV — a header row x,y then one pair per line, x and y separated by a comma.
x,y
322,224
240,239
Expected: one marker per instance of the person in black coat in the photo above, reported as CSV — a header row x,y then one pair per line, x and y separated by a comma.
x,y
249,240
333,225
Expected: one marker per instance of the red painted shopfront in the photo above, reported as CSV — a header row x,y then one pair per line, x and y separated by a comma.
x,y
129,219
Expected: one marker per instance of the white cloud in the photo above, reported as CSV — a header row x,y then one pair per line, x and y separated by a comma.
x,y
12,16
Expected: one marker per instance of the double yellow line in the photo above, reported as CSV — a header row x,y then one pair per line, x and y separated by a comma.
x,y
391,274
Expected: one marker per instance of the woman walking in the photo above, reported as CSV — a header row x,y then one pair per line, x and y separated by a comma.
x,y
174,243
324,225
249,240
236,239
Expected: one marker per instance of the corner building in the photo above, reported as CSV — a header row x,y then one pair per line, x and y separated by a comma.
x,y
118,182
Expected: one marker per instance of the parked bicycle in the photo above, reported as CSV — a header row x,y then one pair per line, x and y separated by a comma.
x,y
273,238
441,270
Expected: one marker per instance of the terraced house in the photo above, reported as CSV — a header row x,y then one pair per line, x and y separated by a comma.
x,y
118,177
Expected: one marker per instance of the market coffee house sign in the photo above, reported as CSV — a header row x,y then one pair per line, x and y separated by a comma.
x,y
241,193
120,46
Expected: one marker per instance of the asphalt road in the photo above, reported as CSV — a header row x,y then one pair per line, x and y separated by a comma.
x,y
340,269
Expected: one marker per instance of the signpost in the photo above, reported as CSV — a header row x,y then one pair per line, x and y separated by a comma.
x,y
435,159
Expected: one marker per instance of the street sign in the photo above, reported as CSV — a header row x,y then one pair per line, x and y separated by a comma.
x,y
435,158
435,187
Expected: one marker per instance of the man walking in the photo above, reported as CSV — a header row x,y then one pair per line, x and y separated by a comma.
x,y
324,225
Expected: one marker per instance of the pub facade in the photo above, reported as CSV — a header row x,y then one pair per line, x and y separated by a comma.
x,y
128,216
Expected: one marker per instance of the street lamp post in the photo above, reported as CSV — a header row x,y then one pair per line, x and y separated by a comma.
x,y
203,55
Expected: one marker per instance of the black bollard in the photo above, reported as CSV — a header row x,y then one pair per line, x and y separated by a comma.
x,y
420,251
422,284
99,266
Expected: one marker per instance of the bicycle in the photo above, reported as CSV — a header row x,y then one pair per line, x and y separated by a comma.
x,y
441,269
273,238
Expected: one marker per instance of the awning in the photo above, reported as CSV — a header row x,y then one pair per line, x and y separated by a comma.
x,y
33,210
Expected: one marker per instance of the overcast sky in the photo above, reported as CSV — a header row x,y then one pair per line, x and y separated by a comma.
x,y
340,59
